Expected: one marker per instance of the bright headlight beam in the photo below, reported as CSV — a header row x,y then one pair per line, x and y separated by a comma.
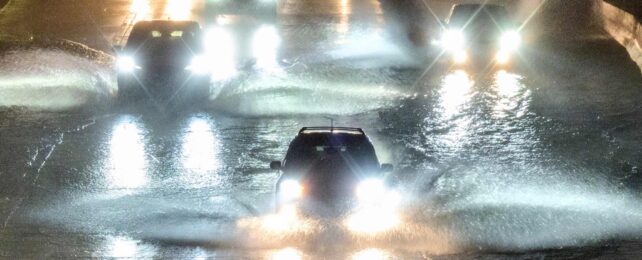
x,y
199,65
372,221
290,190
453,40
370,189
126,64
220,50
264,47
510,41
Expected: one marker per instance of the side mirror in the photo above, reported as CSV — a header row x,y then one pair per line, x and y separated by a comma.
x,y
275,165
386,167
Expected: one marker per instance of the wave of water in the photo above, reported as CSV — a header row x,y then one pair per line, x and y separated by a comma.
x,y
52,79
457,214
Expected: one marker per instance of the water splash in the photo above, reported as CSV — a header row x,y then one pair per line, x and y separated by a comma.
x,y
52,79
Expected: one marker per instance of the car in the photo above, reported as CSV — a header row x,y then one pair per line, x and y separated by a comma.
x,y
260,9
163,59
480,34
330,172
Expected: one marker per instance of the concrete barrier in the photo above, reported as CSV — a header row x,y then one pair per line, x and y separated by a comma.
x,y
624,27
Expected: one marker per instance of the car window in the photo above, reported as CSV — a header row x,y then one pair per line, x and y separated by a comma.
x,y
305,152
474,15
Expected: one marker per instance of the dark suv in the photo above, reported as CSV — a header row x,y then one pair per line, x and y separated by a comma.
x,y
480,33
163,59
327,169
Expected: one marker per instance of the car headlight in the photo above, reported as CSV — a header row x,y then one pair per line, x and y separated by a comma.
x,y
453,40
199,65
126,64
373,192
510,41
290,190
377,210
370,189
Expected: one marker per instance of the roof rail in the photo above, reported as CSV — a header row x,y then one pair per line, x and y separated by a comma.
x,y
331,129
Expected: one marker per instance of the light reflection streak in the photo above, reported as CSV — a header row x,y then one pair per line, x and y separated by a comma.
x,y
264,46
178,9
220,50
372,221
344,20
371,254
507,86
200,147
287,254
119,247
140,10
455,91
127,161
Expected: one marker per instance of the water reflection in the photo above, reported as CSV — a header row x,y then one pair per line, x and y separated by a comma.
x,y
127,161
508,88
287,254
455,92
124,247
178,9
345,8
200,147
371,254
119,247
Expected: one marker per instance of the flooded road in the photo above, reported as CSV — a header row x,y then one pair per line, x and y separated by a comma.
x,y
534,160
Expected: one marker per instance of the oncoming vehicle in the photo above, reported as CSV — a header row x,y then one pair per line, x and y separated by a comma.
x,y
480,33
163,60
331,172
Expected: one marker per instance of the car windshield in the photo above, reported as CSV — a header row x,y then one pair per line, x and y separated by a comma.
x,y
478,15
307,150
168,35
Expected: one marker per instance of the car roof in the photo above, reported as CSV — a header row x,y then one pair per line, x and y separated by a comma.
x,y
331,130
352,140
328,134
477,6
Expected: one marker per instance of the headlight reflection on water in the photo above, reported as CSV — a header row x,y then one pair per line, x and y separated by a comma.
x,y
200,147
371,254
377,211
373,221
286,254
127,161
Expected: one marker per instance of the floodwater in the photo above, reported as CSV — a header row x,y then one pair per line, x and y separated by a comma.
x,y
537,159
